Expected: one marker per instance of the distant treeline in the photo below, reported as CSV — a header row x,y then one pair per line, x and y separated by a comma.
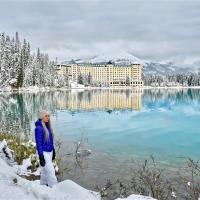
x,y
192,79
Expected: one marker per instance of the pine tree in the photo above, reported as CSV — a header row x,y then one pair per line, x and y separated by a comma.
x,y
2,59
20,68
6,61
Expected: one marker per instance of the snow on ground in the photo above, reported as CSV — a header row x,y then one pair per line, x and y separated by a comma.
x,y
12,186
76,85
137,197
5,89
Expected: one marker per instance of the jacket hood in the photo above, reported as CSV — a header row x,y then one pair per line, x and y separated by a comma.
x,y
38,122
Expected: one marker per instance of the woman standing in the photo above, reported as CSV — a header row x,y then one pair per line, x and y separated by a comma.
x,y
45,148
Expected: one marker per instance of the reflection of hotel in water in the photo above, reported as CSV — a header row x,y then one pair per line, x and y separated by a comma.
x,y
104,99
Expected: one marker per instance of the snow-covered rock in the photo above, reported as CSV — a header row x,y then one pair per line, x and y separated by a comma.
x,y
12,81
3,144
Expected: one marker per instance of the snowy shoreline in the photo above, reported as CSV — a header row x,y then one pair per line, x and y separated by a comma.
x,y
13,186
45,89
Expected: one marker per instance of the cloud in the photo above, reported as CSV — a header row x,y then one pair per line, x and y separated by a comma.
x,y
157,30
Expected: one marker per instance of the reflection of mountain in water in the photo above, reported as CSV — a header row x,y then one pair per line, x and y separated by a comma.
x,y
176,96
184,101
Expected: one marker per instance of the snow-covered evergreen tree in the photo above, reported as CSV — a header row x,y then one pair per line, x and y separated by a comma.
x,y
21,68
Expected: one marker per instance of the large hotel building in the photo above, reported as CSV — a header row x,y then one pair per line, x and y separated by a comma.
x,y
107,74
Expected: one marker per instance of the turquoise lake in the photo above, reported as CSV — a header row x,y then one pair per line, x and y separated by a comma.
x,y
119,126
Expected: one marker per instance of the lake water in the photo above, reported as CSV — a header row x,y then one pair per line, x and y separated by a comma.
x,y
119,126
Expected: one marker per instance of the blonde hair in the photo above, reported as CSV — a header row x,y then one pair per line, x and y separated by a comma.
x,y
46,132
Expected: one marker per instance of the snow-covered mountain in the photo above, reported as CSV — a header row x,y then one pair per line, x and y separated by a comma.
x,y
149,67
167,68
123,58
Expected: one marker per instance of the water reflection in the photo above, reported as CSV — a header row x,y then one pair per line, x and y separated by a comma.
x,y
102,100
175,95
19,110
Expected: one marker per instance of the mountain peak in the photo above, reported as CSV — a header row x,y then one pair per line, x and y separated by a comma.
x,y
121,58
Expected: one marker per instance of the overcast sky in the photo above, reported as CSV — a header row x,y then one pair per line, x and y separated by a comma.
x,y
155,30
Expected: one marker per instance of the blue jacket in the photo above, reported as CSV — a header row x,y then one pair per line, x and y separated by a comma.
x,y
41,143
